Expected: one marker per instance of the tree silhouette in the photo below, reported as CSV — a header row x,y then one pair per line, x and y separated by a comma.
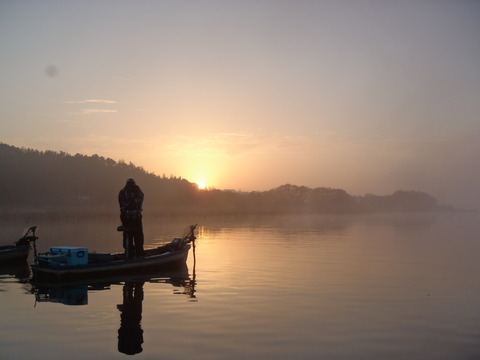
x,y
57,180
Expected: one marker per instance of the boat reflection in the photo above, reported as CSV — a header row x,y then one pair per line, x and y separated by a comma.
x,y
130,333
20,271
76,293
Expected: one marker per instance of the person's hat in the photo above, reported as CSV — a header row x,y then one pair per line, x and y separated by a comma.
x,y
130,180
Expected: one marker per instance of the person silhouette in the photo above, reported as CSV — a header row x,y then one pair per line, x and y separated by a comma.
x,y
130,333
130,199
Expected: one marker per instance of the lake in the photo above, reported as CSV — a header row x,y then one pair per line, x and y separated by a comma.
x,y
378,286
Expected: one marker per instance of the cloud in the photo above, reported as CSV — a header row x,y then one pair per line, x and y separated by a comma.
x,y
97,111
216,144
93,111
92,101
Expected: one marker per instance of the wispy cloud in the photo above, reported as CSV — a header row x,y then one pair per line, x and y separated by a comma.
x,y
216,144
93,111
92,101
97,111
95,106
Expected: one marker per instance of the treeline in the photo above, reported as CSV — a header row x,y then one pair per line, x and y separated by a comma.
x,y
31,178
48,180
301,199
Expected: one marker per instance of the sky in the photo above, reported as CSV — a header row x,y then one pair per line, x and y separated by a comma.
x,y
369,96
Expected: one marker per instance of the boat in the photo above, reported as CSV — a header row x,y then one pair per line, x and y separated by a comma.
x,y
18,252
62,264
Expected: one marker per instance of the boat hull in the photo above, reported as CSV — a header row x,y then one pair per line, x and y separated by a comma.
x,y
59,272
9,254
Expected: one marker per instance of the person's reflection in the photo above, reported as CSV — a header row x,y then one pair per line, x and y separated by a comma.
x,y
130,334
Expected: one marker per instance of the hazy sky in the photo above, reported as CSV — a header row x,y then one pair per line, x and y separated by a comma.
x,y
368,96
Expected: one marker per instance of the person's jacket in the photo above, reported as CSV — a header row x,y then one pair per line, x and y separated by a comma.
x,y
130,198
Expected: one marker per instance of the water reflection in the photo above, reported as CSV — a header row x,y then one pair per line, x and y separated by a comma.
x,y
76,293
67,295
130,332
19,271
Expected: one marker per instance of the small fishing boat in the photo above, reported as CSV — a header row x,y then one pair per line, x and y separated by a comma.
x,y
71,263
18,251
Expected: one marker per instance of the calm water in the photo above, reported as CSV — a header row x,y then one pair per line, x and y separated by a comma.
x,y
316,287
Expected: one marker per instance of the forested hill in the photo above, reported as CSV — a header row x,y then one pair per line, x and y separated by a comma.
x,y
49,180
30,178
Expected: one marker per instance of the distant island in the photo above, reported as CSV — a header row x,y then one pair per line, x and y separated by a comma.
x,y
33,180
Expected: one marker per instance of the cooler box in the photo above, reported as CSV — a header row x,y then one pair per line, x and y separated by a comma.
x,y
71,255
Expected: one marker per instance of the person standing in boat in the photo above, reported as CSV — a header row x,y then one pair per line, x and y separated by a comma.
x,y
130,199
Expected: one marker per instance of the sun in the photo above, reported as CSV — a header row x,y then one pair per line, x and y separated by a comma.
x,y
201,185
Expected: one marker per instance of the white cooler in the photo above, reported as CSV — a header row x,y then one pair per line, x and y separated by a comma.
x,y
71,255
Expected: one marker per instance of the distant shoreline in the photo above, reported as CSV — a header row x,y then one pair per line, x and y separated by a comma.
x,y
104,214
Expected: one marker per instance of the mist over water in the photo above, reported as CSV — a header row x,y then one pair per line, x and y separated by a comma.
x,y
377,286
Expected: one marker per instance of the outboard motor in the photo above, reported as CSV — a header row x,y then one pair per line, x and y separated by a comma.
x,y
28,237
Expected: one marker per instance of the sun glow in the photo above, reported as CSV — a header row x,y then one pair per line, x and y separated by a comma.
x,y
201,185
